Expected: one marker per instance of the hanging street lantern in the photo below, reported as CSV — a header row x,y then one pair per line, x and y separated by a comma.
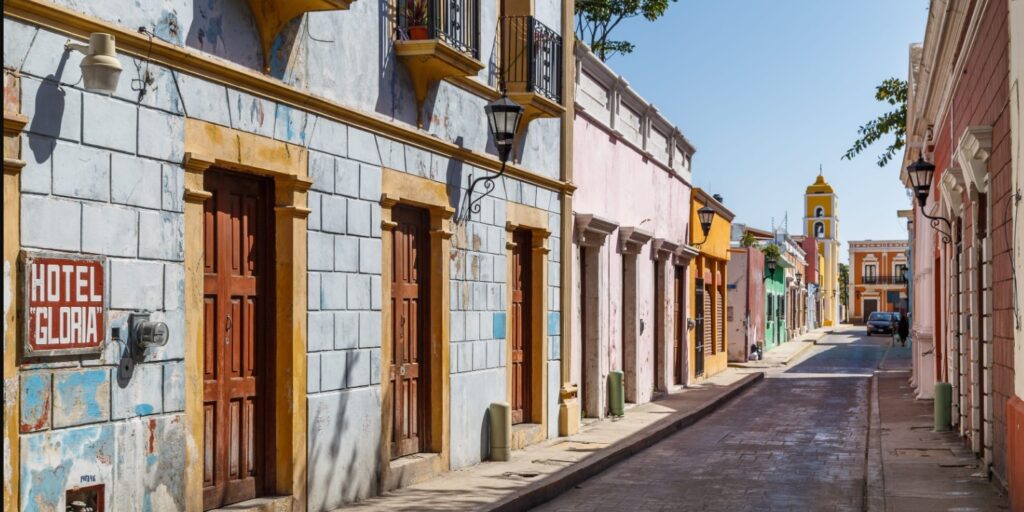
x,y
770,264
705,215
921,174
503,116
799,277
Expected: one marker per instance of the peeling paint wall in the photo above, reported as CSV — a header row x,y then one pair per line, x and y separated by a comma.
x,y
105,176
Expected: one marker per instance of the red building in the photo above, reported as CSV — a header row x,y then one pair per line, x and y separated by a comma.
x,y
959,118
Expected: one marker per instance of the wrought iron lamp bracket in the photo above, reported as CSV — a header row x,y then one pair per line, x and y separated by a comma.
x,y
935,221
473,204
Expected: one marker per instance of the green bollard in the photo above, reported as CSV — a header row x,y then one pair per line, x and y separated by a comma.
x,y
943,406
616,393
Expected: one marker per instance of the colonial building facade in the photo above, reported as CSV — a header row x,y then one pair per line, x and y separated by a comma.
x,y
631,245
878,277
258,270
964,118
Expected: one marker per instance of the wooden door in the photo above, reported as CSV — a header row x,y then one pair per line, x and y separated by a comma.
x,y
870,306
698,344
585,318
679,289
521,342
238,338
409,370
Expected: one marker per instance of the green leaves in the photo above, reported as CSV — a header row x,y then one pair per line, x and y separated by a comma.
x,y
844,282
748,240
596,19
771,250
894,92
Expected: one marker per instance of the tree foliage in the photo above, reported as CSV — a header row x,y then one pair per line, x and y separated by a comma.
x,y
771,251
596,19
844,283
748,240
894,92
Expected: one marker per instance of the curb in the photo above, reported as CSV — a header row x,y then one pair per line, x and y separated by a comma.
x,y
800,352
874,478
546,490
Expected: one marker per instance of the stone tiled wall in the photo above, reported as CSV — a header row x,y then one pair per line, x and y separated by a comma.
x,y
103,176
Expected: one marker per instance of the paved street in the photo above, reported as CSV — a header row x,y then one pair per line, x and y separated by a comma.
x,y
796,441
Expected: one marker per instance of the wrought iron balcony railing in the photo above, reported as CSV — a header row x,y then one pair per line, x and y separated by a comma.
x,y
453,22
883,280
531,57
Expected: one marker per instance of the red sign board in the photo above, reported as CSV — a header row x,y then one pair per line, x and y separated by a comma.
x,y
64,304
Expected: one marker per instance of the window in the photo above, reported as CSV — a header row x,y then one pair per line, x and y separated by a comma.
x,y
819,230
819,212
870,273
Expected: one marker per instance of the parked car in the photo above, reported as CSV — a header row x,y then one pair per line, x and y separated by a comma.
x,y
881,323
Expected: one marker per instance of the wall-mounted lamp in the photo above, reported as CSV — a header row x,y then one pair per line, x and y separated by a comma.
x,y
706,215
921,173
503,117
100,67
770,264
799,276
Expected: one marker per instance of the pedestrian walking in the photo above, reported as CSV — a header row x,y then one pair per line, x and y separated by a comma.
x,y
903,329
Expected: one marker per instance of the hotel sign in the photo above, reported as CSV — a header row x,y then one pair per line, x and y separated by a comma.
x,y
64,309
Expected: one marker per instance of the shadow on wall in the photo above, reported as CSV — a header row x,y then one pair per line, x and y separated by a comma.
x,y
395,97
226,29
49,114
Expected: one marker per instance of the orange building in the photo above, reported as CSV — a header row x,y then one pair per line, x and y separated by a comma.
x,y
708,341
878,278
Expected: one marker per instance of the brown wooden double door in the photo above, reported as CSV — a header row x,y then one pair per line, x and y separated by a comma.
x,y
238,239
521,322
409,371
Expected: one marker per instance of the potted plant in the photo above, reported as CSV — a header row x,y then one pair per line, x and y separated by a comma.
x,y
416,14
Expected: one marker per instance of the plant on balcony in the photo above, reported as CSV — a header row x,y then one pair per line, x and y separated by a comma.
x,y
416,18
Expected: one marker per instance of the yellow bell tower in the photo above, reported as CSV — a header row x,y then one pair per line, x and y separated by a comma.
x,y
821,221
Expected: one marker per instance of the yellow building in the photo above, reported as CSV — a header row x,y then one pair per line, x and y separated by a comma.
x,y
708,339
821,221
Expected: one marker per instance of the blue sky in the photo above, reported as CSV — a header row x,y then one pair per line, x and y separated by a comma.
x,y
767,91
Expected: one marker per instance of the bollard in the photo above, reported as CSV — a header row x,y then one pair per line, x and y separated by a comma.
x,y
501,431
616,393
943,406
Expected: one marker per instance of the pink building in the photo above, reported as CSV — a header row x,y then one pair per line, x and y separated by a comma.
x,y
631,215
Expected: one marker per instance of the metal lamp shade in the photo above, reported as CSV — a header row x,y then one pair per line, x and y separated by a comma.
x,y
503,119
706,215
770,264
921,173
799,277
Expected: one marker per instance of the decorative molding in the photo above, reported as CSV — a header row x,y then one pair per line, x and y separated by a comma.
x,y
592,230
663,249
972,152
685,254
632,239
951,188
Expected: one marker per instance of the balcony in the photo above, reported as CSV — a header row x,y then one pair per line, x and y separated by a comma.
x,y
894,280
531,59
438,39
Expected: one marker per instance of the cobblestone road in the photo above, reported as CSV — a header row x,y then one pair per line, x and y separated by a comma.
x,y
796,441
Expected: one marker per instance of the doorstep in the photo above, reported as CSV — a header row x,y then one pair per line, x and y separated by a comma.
x,y
546,469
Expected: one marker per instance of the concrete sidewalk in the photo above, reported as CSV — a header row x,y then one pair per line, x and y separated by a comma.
x,y
783,354
543,471
920,469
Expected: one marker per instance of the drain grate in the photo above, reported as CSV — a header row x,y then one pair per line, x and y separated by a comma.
x,y
520,474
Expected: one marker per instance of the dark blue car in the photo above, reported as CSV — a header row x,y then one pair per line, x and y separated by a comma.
x,y
881,323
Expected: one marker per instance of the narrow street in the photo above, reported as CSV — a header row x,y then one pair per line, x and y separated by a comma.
x,y
796,441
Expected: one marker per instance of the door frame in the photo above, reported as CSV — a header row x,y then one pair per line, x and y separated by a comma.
x,y
208,145
398,187
519,217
